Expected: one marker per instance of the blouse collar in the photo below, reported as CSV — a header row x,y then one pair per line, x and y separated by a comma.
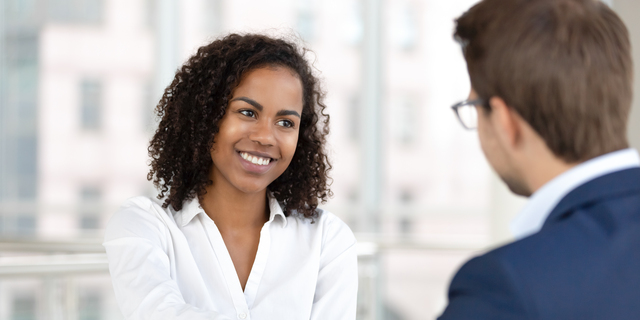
x,y
191,208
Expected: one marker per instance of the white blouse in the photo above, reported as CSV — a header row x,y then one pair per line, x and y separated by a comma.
x,y
168,264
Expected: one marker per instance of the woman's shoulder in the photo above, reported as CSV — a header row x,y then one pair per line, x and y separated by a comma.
x,y
331,226
138,217
144,203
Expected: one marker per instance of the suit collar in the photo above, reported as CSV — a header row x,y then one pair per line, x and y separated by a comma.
x,y
612,185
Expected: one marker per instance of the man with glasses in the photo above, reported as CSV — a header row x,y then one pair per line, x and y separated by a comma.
x,y
551,92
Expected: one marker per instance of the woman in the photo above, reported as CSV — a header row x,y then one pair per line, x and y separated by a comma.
x,y
239,160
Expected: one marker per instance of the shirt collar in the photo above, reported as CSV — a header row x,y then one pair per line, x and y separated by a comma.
x,y
276,210
191,208
542,202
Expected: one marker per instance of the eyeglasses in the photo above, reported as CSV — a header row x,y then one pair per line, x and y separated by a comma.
x,y
467,113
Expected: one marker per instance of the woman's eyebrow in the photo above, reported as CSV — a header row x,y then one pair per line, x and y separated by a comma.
x,y
252,102
288,113
258,106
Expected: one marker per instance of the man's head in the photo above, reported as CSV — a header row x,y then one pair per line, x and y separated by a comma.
x,y
561,68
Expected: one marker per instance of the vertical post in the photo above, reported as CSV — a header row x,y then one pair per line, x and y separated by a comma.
x,y
370,110
167,43
71,298
54,298
628,9
3,109
371,152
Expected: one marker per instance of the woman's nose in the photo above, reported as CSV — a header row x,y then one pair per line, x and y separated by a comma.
x,y
262,133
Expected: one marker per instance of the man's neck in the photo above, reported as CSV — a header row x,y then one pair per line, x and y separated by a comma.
x,y
542,169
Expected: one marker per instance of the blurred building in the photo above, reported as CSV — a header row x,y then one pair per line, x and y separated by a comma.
x,y
79,80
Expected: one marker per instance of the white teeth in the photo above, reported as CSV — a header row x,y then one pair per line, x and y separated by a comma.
x,y
255,160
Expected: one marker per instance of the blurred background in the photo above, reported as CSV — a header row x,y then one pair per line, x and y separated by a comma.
x,y
79,80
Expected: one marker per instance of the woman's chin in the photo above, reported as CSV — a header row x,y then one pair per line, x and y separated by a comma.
x,y
252,188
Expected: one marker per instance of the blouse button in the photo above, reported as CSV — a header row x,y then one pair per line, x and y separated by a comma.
x,y
242,316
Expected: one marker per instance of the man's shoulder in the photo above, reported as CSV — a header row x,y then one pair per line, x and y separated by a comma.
x,y
588,254
614,190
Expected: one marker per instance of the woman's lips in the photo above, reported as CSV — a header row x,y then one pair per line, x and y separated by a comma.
x,y
254,163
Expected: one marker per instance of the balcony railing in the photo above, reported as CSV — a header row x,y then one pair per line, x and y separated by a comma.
x,y
55,265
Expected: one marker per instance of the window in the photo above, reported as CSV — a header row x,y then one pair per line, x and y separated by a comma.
x,y
24,308
90,306
405,114
306,20
76,11
405,221
90,207
18,119
18,132
212,17
149,101
20,222
353,25
26,166
91,104
404,26
354,118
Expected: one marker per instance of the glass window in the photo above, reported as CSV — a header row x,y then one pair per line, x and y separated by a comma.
x,y
212,23
406,116
90,306
76,11
354,118
91,104
305,24
90,207
24,308
404,26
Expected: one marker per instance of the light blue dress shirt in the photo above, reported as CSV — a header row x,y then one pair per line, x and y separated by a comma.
x,y
542,202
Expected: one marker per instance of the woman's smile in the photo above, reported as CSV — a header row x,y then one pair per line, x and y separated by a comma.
x,y
254,163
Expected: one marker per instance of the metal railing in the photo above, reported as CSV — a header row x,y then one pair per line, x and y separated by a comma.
x,y
56,263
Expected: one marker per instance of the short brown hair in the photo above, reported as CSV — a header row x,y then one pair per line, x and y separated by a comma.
x,y
564,65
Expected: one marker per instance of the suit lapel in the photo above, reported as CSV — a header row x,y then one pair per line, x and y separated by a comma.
x,y
611,185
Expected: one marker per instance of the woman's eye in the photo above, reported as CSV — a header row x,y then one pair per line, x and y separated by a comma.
x,y
248,113
286,123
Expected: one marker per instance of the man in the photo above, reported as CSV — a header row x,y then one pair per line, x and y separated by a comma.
x,y
551,84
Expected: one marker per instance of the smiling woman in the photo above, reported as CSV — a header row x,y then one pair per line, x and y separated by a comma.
x,y
239,160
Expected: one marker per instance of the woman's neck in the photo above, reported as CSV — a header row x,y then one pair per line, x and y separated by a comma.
x,y
232,209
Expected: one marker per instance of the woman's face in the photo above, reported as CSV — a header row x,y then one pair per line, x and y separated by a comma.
x,y
259,131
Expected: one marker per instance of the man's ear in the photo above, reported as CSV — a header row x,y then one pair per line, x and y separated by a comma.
x,y
506,122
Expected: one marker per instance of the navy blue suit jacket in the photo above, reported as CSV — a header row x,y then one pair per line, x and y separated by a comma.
x,y
583,264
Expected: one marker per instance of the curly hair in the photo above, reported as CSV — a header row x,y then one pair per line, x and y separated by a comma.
x,y
192,106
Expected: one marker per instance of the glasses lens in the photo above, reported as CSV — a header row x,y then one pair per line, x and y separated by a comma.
x,y
468,116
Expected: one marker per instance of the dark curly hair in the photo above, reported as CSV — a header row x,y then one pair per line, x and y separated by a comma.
x,y
197,99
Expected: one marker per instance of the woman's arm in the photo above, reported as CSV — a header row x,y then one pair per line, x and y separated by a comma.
x,y
137,245
337,286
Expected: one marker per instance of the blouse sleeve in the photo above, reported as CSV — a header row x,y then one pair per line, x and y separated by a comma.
x,y
337,285
137,245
